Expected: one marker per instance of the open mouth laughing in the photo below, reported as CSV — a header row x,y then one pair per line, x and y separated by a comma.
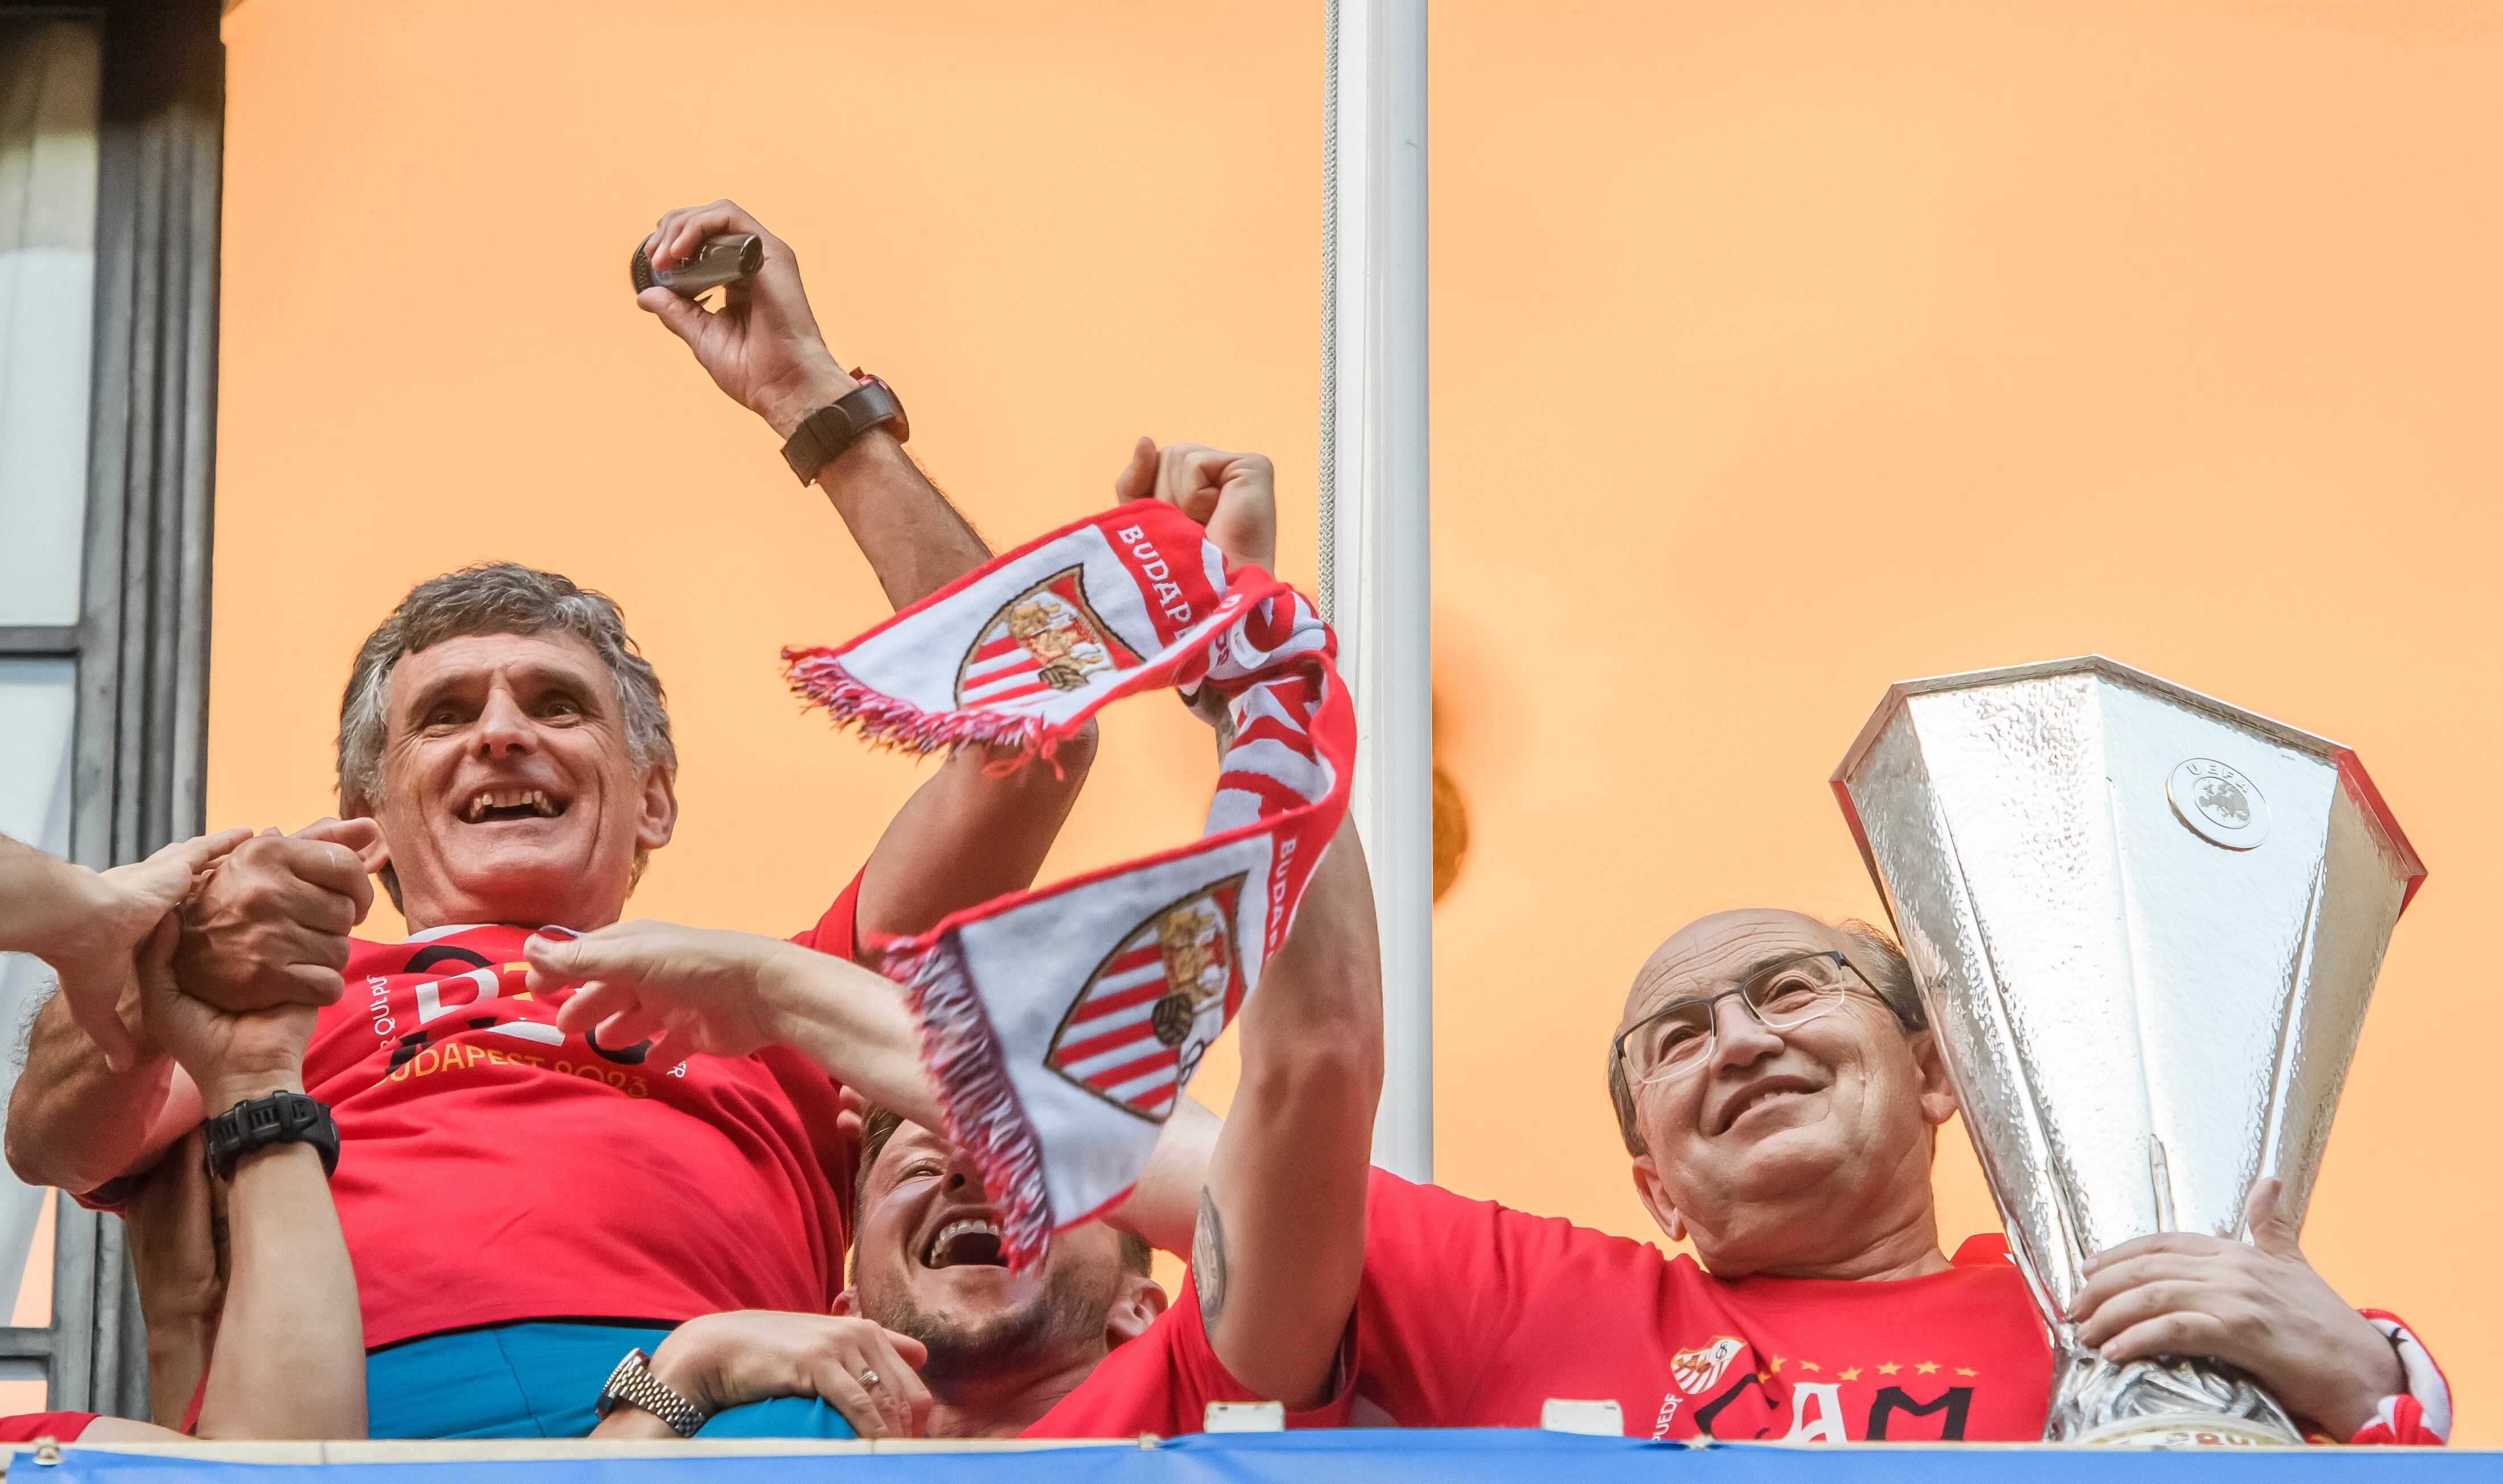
x,y
966,1242
489,805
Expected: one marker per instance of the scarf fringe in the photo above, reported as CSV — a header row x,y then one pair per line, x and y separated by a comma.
x,y
962,1055
819,677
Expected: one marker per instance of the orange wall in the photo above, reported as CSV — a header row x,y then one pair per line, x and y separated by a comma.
x,y
1780,352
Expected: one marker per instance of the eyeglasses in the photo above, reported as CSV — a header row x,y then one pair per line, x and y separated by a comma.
x,y
1678,1037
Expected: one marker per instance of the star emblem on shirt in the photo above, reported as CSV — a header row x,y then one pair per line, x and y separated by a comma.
x,y
1965,1370
1888,1369
1809,1365
1850,1374
1926,1366
1777,1364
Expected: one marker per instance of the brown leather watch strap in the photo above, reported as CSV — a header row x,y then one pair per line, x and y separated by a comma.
x,y
839,423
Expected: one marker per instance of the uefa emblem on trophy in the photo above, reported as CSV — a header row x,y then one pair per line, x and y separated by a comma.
x,y
2145,925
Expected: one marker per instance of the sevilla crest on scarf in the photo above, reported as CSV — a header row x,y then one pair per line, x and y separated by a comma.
x,y
1137,1030
1059,1025
1046,638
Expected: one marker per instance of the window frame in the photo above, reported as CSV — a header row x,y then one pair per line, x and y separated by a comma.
x,y
141,642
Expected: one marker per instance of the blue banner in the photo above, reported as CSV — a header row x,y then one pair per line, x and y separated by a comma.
x,y
1494,1456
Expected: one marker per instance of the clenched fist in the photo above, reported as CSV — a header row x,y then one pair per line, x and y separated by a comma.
x,y
1232,495
270,927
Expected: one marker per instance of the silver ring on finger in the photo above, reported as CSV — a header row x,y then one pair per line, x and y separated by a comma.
x,y
869,1376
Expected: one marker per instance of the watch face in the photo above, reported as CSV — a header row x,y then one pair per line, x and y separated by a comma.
x,y
627,1370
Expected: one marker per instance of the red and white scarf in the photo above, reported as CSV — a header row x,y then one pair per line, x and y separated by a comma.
x,y
1060,1025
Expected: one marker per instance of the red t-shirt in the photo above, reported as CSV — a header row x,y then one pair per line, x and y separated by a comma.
x,y
493,1170
60,1427
1473,1315
1163,1381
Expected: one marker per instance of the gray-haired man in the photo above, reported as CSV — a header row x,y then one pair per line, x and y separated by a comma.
x,y
505,764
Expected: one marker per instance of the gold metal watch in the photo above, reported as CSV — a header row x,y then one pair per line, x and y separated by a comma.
x,y
634,1384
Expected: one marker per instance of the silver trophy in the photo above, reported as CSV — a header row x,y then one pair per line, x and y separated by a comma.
x,y
2145,925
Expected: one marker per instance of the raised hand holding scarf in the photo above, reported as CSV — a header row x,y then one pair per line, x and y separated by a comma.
x,y
1060,1025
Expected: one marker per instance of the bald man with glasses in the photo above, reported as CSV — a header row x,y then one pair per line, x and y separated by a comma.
x,y
1780,1094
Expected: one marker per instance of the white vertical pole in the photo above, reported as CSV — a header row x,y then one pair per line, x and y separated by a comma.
x,y
1375,532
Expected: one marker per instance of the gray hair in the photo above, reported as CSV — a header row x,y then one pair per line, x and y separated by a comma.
x,y
1883,964
495,597
1878,960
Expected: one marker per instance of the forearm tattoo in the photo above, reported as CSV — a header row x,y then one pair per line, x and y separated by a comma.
x,y
1207,1259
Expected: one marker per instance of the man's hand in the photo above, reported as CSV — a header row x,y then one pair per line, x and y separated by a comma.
x,y
699,991
687,989
867,1373
762,346
2258,1305
123,907
271,925
235,1056
1233,495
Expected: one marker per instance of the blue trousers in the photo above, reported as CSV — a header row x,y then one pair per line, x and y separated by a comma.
x,y
541,1380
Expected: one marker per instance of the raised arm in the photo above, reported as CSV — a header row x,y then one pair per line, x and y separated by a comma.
x,y
964,836
762,348
1277,1243
290,1349
1163,1208
289,1358
85,923
290,1355
1279,1246
266,921
80,1110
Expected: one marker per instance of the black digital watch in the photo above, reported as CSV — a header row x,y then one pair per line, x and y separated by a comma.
x,y
281,1118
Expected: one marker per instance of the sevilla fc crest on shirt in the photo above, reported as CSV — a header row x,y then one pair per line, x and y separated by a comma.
x,y
1046,639
1699,1370
1147,1016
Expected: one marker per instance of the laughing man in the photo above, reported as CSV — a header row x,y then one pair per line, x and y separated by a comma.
x,y
505,765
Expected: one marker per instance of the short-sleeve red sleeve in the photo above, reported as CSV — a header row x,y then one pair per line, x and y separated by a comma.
x,y
1446,1280
60,1427
838,932
1163,1381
